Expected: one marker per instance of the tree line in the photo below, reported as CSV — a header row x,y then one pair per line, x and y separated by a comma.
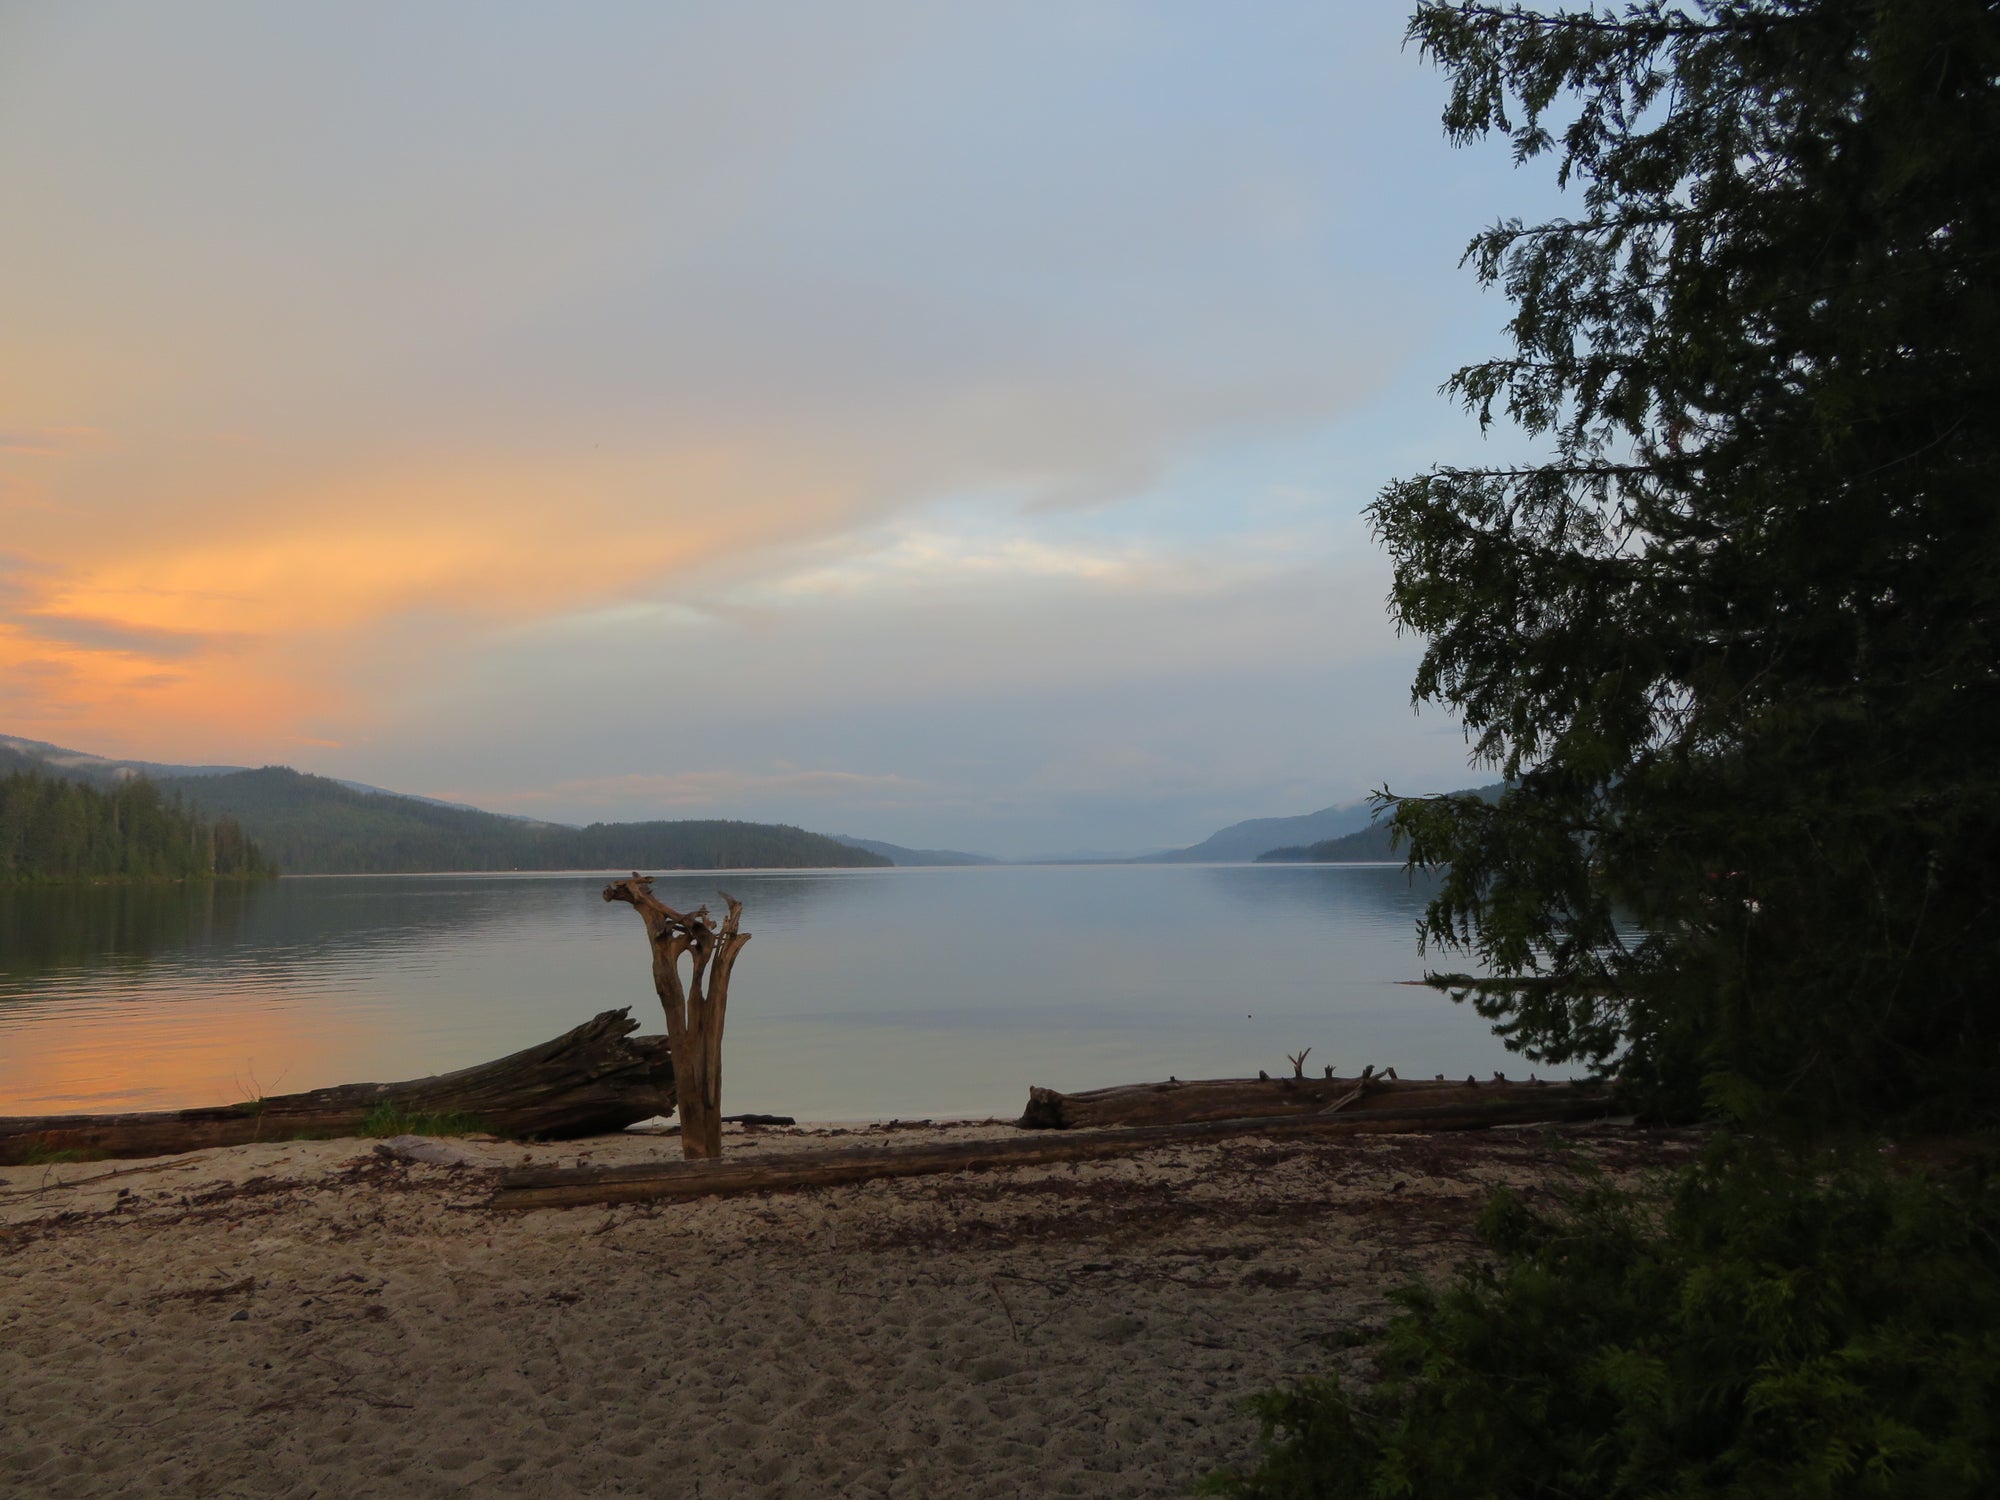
x,y
311,825
1731,634
55,830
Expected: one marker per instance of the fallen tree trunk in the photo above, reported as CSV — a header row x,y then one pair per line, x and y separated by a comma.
x,y
578,1186
1184,1101
594,1079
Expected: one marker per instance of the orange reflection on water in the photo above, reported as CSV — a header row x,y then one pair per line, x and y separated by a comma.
x,y
180,1055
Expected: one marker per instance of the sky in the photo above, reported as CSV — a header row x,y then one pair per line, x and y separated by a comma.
x,y
945,424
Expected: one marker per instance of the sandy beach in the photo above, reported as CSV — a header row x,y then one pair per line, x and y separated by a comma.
x,y
317,1319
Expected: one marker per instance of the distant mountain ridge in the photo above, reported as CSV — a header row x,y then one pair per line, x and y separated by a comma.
x,y
20,754
17,753
1251,838
1371,845
312,825
317,825
896,854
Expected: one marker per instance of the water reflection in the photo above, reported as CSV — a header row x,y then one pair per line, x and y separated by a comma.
x,y
53,927
1387,892
862,992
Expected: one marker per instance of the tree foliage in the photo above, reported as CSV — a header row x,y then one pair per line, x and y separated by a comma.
x,y
56,830
1808,1327
1731,639
1376,843
1733,636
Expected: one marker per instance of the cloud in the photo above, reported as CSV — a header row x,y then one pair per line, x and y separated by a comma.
x,y
938,561
1105,485
888,387
128,640
19,577
44,442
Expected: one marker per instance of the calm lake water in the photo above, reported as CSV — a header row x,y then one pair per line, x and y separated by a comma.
x,y
866,993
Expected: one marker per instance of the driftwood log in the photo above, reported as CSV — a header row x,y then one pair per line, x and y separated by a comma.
x,y
1185,1101
695,1007
579,1186
594,1079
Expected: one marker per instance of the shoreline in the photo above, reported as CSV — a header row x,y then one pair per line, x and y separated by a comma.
x,y
303,1317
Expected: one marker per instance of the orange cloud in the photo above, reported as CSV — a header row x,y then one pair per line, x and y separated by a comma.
x,y
231,628
111,695
43,442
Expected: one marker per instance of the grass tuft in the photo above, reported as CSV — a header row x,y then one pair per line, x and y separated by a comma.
x,y
39,1155
392,1119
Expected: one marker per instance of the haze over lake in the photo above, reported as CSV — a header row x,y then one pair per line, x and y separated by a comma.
x,y
866,993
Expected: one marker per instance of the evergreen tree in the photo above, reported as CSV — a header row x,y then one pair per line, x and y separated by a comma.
x,y
1733,637
1733,642
58,830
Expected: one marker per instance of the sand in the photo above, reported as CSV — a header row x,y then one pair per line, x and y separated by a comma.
x,y
315,1319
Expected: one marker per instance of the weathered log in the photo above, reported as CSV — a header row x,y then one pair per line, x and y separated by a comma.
x,y
577,1186
1186,1101
594,1079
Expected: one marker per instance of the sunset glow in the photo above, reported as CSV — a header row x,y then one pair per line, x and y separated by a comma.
x,y
949,402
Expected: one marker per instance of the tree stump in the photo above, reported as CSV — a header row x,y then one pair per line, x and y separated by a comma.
x,y
695,1007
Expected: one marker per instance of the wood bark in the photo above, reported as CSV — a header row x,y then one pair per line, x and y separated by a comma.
x,y
1187,1100
579,1186
596,1078
695,1007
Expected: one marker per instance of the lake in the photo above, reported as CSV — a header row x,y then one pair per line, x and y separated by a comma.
x,y
865,993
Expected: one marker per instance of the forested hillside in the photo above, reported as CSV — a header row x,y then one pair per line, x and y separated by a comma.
x,y
704,844
57,830
1368,845
1249,839
309,825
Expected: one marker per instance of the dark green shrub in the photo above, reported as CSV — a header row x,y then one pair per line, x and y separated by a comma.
x,y
1776,1326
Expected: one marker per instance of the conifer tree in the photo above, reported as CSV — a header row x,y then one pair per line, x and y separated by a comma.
x,y
1733,635
57,830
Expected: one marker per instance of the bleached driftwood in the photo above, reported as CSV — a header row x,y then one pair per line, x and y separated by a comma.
x,y
695,1007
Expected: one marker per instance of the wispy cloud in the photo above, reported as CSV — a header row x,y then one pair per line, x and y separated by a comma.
x,y
131,640
44,442
937,560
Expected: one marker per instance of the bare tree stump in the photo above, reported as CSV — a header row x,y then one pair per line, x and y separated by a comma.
x,y
695,1007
